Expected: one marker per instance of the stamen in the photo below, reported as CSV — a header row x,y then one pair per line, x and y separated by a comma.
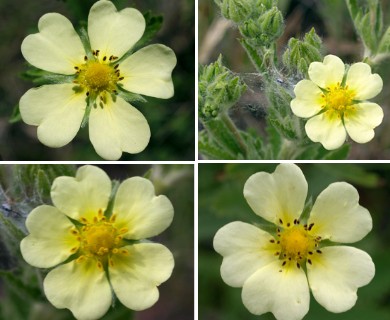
x,y
281,221
318,251
298,265
310,226
272,241
308,260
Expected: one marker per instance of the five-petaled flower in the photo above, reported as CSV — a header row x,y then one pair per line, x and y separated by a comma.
x,y
270,266
336,104
99,75
92,246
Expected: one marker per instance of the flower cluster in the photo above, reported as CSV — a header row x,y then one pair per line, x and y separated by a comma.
x,y
335,102
98,250
100,73
271,266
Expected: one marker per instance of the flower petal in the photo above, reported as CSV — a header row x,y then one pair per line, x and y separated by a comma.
x,y
56,110
81,287
308,99
361,122
280,195
326,128
83,196
135,276
113,32
337,215
362,82
118,127
149,71
336,274
327,73
140,211
245,249
56,48
285,294
50,241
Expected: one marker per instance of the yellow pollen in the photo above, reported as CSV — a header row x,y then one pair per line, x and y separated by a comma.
x,y
99,239
295,243
338,98
98,76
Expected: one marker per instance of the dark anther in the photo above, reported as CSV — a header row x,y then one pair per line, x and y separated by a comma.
x,y
121,78
319,251
94,52
87,93
110,58
308,260
277,253
305,226
277,242
284,263
288,224
116,66
77,68
298,265
114,58
281,221
278,230
272,241
295,221
85,58
289,259
97,52
104,58
310,252
310,226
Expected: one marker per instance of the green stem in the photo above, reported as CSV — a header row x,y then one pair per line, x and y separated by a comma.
x,y
233,129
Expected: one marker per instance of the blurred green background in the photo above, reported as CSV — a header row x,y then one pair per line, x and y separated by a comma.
x,y
24,187
221,201
332,22
171,121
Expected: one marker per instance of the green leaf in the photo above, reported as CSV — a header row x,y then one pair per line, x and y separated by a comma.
x,y
384,45
213,150
338,154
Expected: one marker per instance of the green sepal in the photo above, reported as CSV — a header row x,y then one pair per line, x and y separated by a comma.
x,y
41,77
15,116
130,96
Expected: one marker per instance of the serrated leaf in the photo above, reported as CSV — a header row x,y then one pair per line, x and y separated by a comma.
x,y
211,150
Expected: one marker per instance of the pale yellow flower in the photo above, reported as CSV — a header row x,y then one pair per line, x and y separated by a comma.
x,y
335,102
270,266
58,109
91,249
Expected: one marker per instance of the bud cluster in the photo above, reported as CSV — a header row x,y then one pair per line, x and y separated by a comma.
x,y
219,89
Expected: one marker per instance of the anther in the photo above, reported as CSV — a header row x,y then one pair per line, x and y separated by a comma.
x,y
308,260
87,93
288,224
85,58
272,241
116,66
310,252
99,265
104,58
281,221
284,263
73,250
77,68
277,253
121,78
318,251
298,265
84,220
310,226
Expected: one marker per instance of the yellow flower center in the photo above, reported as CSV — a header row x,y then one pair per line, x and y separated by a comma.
x,y
99,239
98,76
295,244
338,99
